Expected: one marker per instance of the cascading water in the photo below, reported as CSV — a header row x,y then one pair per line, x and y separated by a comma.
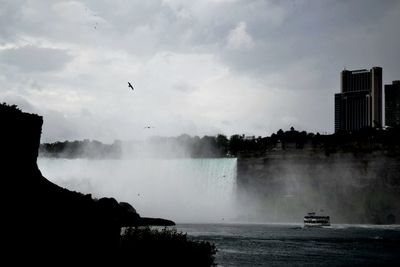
x,y
185,190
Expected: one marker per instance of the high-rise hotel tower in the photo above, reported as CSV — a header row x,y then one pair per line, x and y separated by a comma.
x,y
392,104
359,104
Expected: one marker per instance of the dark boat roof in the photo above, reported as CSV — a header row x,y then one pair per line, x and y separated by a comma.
x,y
315,217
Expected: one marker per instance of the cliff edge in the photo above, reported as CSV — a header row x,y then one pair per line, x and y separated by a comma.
x,y
41,219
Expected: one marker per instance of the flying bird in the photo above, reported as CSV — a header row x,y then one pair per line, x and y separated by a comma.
x,y
148,127
130,85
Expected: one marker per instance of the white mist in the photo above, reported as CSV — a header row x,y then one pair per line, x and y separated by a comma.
x,y
184,190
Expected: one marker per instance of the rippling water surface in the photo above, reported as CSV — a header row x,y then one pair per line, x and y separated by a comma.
x,y
293,245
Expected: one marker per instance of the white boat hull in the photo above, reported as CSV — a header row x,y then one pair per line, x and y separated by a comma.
x,y
313,220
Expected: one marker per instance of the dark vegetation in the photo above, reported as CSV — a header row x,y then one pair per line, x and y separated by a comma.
x,y
81,149
366,140
44,223
173,248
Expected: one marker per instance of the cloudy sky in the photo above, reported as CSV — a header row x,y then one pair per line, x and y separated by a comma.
x,y
198,67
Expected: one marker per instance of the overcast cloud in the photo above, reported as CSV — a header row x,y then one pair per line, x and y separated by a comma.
x,y
198,67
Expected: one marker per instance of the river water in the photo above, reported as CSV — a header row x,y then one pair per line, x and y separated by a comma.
x,y
293,245
203,190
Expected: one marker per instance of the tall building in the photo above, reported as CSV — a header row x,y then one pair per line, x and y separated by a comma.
x,y
392,104
359,104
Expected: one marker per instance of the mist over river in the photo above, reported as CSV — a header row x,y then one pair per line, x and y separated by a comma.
x,y
201,195
184,190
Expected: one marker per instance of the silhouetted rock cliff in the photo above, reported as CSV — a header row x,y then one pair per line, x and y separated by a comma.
x,y
42,220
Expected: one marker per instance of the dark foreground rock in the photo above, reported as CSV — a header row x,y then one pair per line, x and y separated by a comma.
x,y
44,223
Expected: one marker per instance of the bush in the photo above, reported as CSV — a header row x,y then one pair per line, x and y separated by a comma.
x,y
166,247
9,109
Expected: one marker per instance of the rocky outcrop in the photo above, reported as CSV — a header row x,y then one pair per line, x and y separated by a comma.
x,y
40,216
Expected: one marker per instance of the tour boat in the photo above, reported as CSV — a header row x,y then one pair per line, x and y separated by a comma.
x,y
312,220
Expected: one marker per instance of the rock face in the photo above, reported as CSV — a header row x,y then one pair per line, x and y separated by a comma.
x,y
351,188
40,216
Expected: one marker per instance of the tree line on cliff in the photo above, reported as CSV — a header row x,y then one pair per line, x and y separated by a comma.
x,y
364,141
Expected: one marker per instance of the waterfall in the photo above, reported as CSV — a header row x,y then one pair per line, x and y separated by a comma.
x,y
185,190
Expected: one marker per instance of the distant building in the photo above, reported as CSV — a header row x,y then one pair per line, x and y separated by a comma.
x,y
392,104
359,104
